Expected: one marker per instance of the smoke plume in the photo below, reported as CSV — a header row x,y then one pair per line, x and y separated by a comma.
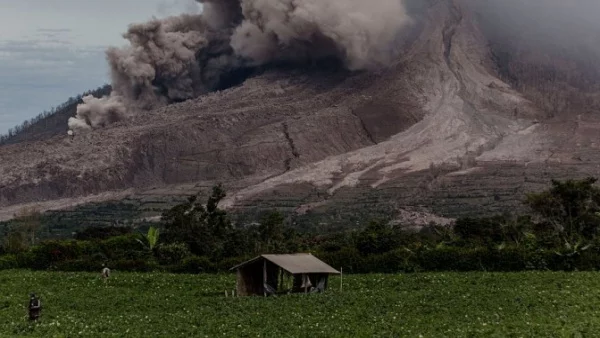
x,y
179,58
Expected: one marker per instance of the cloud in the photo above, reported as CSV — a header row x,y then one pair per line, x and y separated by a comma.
x,y
172,7
39,74
49,51
52,34
54,30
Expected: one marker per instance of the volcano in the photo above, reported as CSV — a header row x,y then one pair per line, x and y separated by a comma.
x,y
487,100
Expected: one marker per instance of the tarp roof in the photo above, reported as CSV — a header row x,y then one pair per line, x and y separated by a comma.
x,y
295,263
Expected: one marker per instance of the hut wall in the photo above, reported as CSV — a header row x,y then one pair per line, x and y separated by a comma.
x,y
273,275
250,279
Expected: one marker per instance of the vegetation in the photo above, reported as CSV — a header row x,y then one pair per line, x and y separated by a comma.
x,y
571,209
151,238
560,233
541,304
111,218
22,233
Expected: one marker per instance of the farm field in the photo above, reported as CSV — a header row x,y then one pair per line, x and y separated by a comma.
x,y
545,304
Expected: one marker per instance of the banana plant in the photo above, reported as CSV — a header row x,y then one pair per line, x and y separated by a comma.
x,y
571,250
151,239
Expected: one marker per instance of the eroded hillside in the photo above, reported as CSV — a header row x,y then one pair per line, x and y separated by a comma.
x,y
460,122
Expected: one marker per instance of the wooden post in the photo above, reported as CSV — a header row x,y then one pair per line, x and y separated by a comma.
x,y
264,277
226,294
305,283
341,278
280,279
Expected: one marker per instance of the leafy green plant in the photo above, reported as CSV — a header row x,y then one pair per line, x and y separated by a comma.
x,y
537,304
172,253
151,239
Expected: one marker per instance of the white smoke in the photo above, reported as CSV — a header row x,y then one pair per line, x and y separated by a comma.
x,y
181,57
98,112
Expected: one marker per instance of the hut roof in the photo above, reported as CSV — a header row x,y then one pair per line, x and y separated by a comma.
x,y
295,263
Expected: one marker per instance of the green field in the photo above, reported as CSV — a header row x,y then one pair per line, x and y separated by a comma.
x,y
545,304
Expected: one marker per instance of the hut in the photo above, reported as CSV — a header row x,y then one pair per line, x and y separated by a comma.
x,y
273,274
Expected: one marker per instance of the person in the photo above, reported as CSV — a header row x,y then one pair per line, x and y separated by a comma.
x,y
71,134
105,273
35,307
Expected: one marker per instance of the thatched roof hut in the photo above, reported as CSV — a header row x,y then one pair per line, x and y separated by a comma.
x,y
272,274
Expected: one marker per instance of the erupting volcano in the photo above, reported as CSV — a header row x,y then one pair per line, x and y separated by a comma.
x,y
334,107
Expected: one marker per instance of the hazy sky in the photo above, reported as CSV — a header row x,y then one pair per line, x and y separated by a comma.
x,y
53,49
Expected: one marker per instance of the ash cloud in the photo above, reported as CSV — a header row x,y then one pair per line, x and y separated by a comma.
x,y
182,57
98,112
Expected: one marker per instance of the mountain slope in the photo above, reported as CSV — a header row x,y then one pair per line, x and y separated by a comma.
x,y
49,124
460,123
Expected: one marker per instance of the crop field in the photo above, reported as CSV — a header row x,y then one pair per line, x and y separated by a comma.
x,y
545,304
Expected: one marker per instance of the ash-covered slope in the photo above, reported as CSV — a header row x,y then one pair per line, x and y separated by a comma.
x,y
464,119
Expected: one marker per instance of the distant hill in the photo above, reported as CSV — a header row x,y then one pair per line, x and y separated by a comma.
x,y
49,123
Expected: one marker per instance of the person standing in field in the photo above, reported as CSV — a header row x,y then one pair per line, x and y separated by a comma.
x,y
35,307
105,273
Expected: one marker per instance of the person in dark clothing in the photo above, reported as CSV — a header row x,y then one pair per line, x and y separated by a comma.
x,y
35,307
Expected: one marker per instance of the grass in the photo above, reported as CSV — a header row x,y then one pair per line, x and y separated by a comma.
x,y
547,304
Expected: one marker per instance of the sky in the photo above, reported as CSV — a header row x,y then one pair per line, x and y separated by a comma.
x,y
51,50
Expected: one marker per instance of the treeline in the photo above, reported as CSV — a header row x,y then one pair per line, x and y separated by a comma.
x,y
50,122
559,233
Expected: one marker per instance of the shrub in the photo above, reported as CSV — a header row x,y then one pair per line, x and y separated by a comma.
x,y
85,264
124,248
348,258
133,265
588,260
228,263
8,262
392,261
49,252
25,259
450,259
102,232
174,253
480,230
194,264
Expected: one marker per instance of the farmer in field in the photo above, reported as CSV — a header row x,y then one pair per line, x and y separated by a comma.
x,y
105,273
35,307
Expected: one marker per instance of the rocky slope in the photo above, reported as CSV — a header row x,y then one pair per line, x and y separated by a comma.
x,y
459,124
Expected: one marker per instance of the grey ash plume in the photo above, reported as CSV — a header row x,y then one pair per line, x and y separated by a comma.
x,y
182,57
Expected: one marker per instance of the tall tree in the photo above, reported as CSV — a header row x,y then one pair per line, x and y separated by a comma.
x,y
571,207
21,233
29,220
271,230
203,227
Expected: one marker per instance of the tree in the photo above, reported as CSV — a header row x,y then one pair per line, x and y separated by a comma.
x,y
22,230
518,230
571,208
271,230
29,220
14,241
203,227
378,237
480,230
